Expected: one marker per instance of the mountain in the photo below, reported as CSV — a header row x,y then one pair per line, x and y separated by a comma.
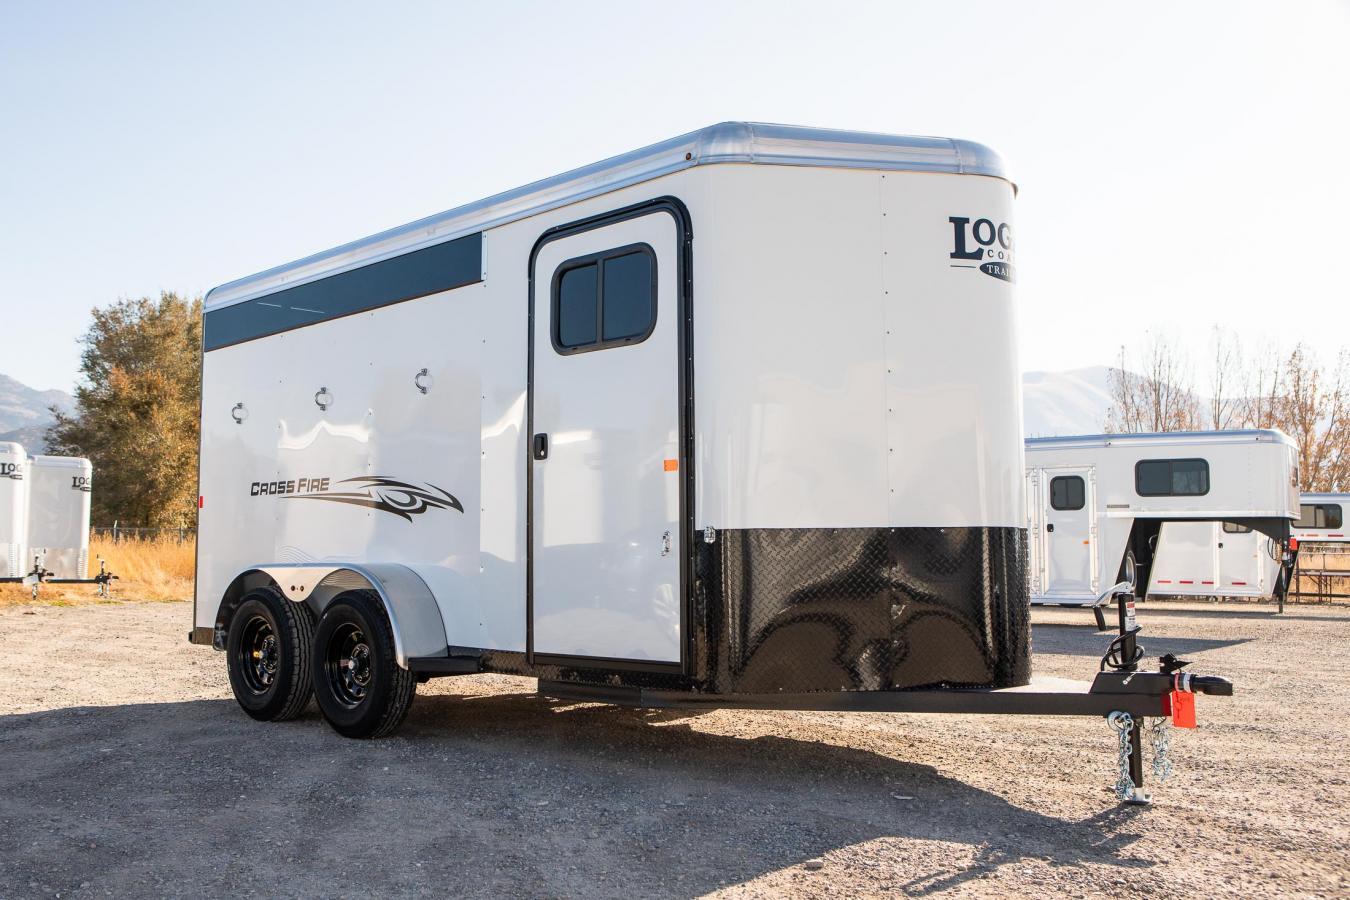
x,y
1073,402
25,414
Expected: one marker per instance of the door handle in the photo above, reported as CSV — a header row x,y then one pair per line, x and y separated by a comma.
x,y
541,446
1050,527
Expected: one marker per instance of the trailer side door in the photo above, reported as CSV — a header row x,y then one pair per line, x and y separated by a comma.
x,y
1069,510
607,531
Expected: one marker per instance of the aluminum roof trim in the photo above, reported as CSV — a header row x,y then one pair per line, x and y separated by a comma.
x,y
1259,435
728,142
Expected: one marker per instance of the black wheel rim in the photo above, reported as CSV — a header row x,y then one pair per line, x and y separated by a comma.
x,y
259,655
347,665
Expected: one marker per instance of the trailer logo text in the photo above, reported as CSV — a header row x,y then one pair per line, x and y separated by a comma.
x,y
13,471
982,240
372,491
81,483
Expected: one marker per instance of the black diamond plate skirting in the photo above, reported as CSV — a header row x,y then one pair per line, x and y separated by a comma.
x,y
861,609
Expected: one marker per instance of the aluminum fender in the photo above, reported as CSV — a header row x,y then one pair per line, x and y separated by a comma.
x,y
414,616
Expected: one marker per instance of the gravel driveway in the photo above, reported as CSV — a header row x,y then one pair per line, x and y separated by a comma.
x,y
126,769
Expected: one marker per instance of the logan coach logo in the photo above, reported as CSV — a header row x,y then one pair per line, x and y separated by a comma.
x,y
81,483
13,471
372,491
982,241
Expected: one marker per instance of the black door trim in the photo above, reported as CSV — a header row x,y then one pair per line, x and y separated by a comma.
x,y
684,303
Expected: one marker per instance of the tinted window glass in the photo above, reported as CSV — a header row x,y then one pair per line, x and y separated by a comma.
x,y
1319,515
1231,528
578,297
1066,492
1171,477
629,299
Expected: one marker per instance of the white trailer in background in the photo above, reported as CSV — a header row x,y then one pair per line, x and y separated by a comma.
x,y
1321,519
1096,503
58,515
1215,559
14,561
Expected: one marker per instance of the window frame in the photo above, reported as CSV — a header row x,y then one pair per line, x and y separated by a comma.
x,y
1235,528
1322,509
1082,493
1170,479
598,260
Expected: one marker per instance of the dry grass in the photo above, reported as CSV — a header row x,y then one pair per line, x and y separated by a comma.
x,y
150,569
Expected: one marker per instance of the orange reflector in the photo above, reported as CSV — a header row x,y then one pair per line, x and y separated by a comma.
x,y
672,465
1087,542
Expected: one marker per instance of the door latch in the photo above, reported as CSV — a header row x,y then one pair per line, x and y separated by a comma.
x,y
541,446
1050,527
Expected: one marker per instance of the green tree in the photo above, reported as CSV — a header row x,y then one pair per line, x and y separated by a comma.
x,y
136,415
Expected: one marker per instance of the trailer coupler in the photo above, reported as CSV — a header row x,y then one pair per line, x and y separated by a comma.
x,y
40,575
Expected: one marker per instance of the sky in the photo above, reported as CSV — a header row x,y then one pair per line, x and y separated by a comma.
x,y
1180,166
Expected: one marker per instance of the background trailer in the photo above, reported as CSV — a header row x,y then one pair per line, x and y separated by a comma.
x,y
1321,519
646,431
14,562
1216,559
58,515
1096,503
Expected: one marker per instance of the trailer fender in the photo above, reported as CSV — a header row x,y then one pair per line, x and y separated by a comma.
x,y
414,617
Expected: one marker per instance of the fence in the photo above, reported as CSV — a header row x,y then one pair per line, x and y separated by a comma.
x,y
1323,573
116,532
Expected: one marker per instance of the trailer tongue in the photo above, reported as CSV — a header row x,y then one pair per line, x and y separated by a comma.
x,y
1125,696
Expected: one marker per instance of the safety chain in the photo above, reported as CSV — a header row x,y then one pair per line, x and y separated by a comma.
x,y
1160,736
1123,723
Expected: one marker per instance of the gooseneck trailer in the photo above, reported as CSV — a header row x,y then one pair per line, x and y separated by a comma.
x,y
1096,504
680,427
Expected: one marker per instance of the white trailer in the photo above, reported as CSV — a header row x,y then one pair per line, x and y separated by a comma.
x,y
677,428
58,516
1321,519
1216,559
13,511
1096,503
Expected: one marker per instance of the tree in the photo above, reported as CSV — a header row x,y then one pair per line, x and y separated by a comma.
x,y
1293,393
136,410
1313,408
1159,400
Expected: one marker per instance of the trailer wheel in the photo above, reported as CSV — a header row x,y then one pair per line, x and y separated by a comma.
x,y
362,690
267,652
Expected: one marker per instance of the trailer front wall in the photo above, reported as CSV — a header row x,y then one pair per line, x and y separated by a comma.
x,y
859,439
13,511
58,513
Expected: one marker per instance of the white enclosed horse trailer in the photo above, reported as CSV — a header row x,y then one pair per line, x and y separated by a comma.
x,y
13,511
1215,559
58,515
1096,503
678,428
1321,519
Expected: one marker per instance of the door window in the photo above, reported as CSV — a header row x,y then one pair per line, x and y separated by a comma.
x,y
604,300
1066,492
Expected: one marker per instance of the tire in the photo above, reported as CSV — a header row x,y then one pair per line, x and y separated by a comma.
x,y
267,651
361,689
1129,571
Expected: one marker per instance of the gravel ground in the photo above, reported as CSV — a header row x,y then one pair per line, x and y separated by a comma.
x,y
127,769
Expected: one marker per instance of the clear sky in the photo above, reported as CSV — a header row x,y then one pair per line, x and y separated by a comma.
x,y
1180,164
